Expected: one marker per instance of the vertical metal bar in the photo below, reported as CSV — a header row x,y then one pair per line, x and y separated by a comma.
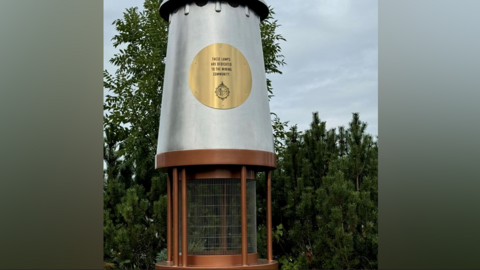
x,y
218,6
269,216
243,186
187,9
184,218
175,217
169,218
224,218
247,11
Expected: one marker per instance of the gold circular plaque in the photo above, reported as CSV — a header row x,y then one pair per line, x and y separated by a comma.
x,y
220,77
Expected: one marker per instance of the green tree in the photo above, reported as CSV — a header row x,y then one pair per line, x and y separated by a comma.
x,y
360,156
134,219
326,221
273,59
136,87
320,151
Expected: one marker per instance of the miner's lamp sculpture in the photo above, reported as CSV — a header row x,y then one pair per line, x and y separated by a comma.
x,y
215,134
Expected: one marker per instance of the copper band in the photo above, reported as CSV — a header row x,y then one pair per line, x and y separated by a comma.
x,y
216,157
219,260
213,172
261,264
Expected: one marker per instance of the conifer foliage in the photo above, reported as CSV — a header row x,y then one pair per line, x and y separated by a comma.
x,y
324,199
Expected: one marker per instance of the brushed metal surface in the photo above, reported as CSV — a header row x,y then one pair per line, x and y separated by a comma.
x,y
185,123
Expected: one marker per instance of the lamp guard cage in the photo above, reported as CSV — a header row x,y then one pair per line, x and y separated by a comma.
x,y
216,209
214,214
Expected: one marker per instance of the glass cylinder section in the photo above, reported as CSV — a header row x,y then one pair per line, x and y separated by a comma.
x,y
214,217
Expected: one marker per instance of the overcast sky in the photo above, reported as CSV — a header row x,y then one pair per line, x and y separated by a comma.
x,y
331,53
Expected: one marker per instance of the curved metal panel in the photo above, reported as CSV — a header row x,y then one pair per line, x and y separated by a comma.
x,y
187,124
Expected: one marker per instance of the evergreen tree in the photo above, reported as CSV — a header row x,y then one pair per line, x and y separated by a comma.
x,y
359,151
321,219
